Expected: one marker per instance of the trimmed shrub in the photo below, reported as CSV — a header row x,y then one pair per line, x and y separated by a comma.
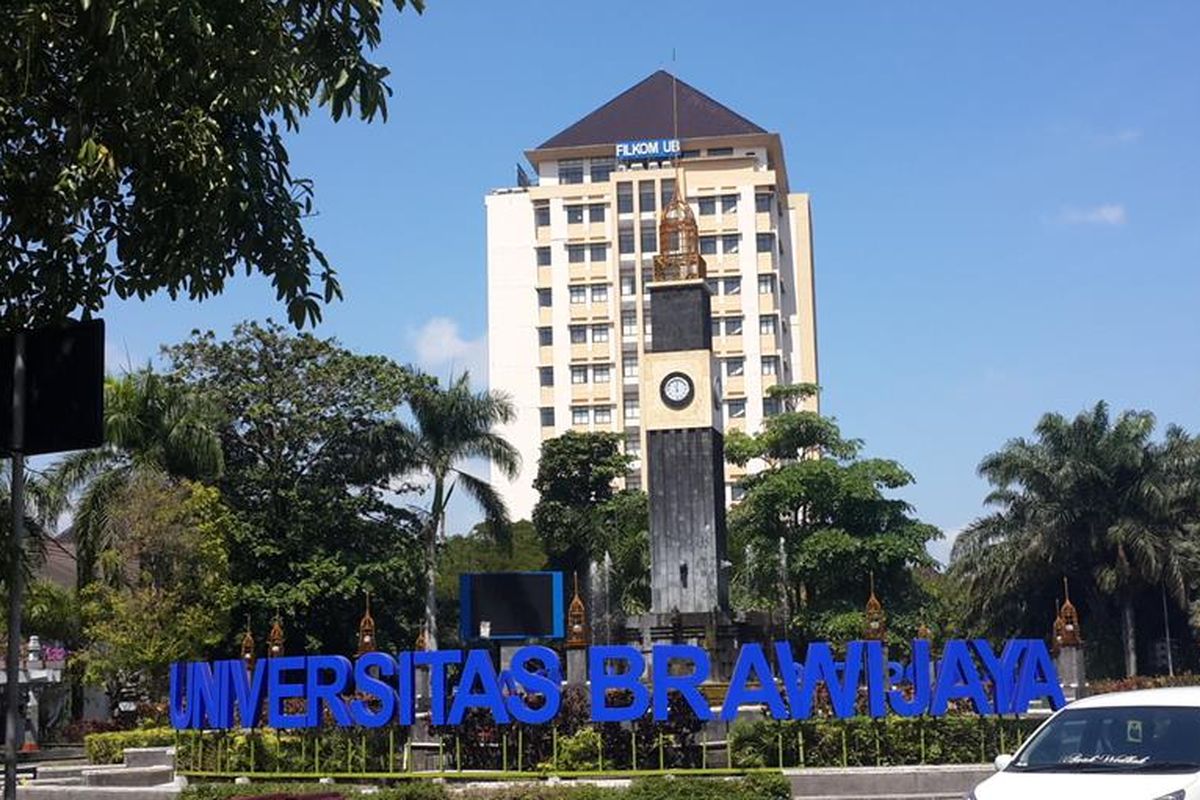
x,y
866,742
107,748
417,790
752,787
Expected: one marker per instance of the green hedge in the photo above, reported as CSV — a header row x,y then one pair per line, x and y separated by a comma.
x,y
751,787
865,742
228,791
107,748
859,741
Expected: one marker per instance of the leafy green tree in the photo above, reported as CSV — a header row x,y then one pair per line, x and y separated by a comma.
x,y
816,522
310,434
152,427
1095,500
581,518
141,146
170,594
452,425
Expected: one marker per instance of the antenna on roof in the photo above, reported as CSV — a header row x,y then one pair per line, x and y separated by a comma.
x,y
675,123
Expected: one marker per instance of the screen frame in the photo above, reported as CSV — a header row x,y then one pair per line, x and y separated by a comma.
x,y
466,605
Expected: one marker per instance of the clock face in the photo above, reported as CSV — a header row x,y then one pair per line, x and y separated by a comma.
x,y
677,390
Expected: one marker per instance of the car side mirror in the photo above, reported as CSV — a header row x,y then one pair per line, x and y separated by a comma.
x,y
1002,761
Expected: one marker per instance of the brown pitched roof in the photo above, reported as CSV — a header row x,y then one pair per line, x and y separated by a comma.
x,y
644,111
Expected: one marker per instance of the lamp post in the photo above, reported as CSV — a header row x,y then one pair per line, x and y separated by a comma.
x,y
14,728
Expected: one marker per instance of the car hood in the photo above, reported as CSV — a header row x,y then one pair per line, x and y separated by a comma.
x,y
1008,785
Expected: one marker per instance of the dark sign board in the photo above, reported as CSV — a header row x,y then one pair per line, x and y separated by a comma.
x,y
511,605
64,388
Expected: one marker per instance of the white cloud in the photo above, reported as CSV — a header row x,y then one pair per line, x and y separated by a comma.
x,y
1124,136
442,351
1106,214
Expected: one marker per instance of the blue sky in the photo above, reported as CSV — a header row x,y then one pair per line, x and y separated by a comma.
x,y
1006,199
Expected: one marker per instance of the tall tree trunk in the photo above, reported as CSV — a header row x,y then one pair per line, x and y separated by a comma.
x,y
435,522
1129,637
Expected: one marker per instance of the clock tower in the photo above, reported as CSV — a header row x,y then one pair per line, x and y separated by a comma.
x,y
685,448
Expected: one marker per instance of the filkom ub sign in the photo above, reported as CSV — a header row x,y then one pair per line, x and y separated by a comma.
x,y
643,149
377,689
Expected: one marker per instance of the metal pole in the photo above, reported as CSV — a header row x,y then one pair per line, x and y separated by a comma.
x,y
13,729
1167,629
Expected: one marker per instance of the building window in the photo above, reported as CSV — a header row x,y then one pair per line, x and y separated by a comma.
x,y
600,293
633,446
629,369
596,212
543,256
578,294
599,334
544,299
578,375
649,238
601,169
708,206
625,198
645,326
714,286
768,325
570,170
766,284
737,493
598,252
731,243
729,203
629,324
545,337
720,151
574,215
579,416
733,286
716,327
690,154
770,365
666,191
625,241
632,412
708,245
576,253
603,415
735,367
546,376
628,287
733,326
764,242
770,406
646,196
541,215
762,202
601,375
547,417
578,334
737,409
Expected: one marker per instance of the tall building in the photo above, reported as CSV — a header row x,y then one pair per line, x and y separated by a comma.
x,y
570,256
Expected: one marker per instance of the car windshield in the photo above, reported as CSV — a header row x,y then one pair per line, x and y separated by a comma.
x,y
1118,739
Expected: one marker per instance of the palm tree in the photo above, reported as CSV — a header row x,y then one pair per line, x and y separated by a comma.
x,y
43,506
1089,498
452,425
153,428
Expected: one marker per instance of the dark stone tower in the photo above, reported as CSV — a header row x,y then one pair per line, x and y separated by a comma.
x,y
682,416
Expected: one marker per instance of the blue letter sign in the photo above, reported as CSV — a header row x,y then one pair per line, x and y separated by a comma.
x,y
377,689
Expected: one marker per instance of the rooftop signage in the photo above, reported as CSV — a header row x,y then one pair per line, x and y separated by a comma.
x,y
377,689
647,149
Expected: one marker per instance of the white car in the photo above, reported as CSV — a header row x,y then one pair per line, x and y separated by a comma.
x,y
1141,745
